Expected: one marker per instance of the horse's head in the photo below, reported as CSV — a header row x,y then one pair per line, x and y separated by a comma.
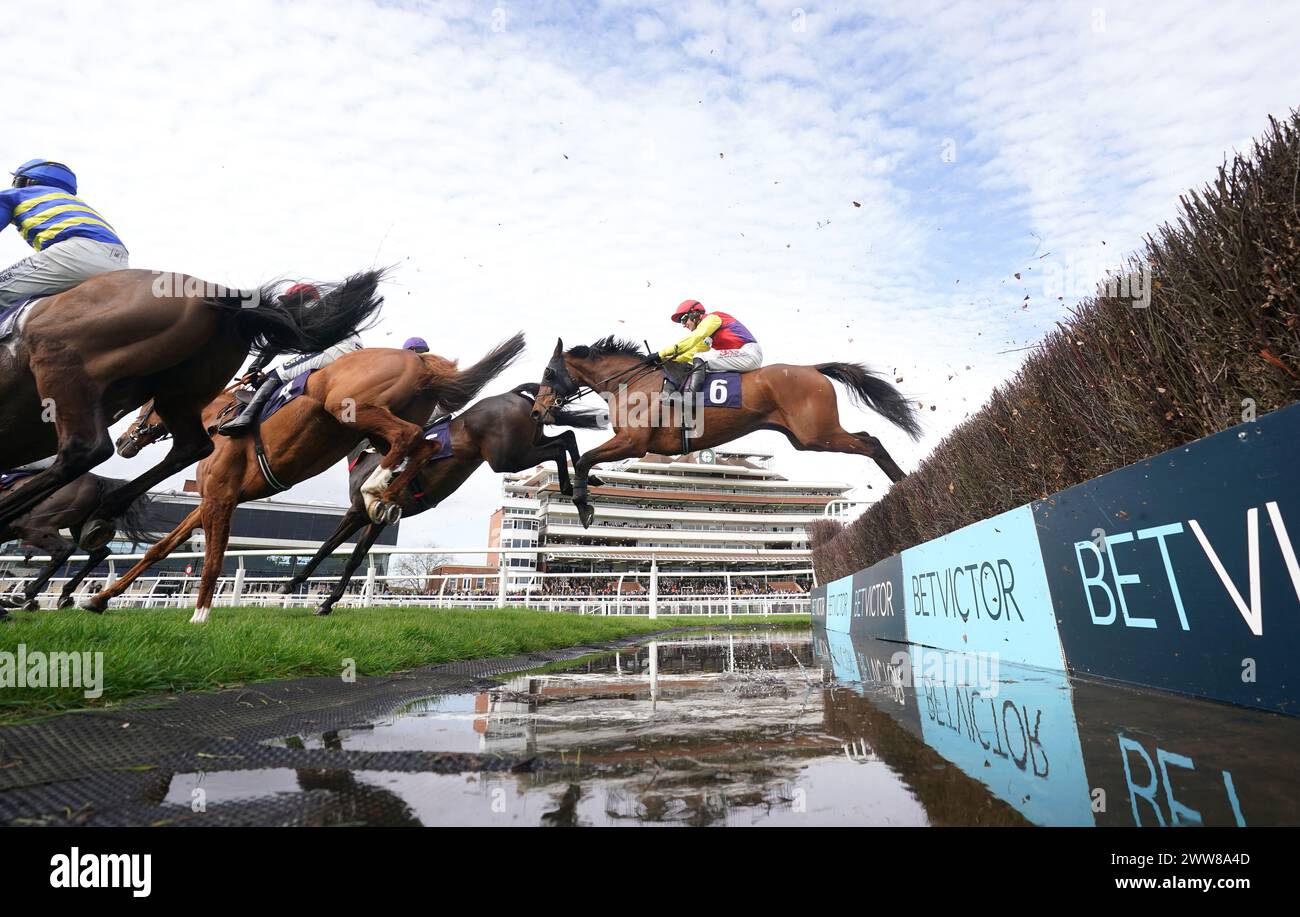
x,y
145,430
602,367
557,382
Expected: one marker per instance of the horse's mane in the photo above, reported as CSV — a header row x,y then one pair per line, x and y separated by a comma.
x,y
610,346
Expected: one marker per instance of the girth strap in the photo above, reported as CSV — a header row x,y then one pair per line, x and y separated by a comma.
x,y
263,464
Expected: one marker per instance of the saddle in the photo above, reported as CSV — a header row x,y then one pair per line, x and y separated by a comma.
x,y
721,390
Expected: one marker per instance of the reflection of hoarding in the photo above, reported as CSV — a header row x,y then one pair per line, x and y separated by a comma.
x,y
1073,753
1179,572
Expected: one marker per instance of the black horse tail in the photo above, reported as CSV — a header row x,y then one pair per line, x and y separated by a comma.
x,y
868,389
299,324
578,418
457,389
136,523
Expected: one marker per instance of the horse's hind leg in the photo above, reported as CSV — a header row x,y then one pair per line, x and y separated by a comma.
x,y
94,560
364,544
351,522
59,550
405,442
837,439
882,457
169,543
73,404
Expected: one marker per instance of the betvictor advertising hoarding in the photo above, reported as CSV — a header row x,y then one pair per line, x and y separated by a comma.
x,y
1179,572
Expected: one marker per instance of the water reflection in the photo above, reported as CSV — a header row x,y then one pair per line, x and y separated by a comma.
x,y
807,729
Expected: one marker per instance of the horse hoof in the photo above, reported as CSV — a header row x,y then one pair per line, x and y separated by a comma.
x,y
31,605
323,611
66,602
95,534
392,514
8,603
586,514
593,481
95,604
200,616
287,589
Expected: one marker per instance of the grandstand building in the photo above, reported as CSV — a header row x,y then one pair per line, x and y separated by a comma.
x,y
707,501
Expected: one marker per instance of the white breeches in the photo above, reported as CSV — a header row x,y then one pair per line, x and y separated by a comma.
x,y
746,358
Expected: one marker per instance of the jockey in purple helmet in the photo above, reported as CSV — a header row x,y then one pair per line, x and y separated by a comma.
x,y
416,344
72,241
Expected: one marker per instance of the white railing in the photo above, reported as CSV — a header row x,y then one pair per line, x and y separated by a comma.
x,y
633,592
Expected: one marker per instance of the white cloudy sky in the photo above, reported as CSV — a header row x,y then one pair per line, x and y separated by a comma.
x,y
576,169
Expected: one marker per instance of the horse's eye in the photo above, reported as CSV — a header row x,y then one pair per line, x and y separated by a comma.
x,y
548,375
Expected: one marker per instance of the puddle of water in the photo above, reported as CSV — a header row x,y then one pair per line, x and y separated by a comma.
x,y
810,729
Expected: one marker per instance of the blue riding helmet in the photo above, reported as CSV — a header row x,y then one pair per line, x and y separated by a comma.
x,y
45,172
416,344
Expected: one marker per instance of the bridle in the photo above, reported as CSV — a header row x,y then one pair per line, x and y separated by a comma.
x,y
595,388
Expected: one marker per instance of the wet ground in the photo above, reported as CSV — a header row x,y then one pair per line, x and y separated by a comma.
x,y
764,728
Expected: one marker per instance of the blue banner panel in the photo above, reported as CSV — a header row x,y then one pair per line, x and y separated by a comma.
x,y
817,606
877,601
983,589
839,599
1180,572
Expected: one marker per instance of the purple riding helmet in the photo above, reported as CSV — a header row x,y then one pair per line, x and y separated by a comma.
x,y
417,344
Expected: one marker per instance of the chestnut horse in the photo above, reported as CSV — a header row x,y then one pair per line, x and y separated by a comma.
x,y
86,357
496,430
798,401
381,394
68,508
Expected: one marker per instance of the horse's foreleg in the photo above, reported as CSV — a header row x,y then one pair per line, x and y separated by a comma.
x,y
570,443
609,451
216,530
364,544
157,552
190,443
353,520
94,560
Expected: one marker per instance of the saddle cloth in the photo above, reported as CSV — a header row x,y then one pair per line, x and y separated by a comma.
x,y
7,478
283,395
721,390
439,428
12,318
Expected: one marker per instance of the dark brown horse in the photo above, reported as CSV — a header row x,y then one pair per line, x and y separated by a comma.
x,y
88,356
381,394
68,508
498,430
797,401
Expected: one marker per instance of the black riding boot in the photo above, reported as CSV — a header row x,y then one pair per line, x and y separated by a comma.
x,y
695,381
252,412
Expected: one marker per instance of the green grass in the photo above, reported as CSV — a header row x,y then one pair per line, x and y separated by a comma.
x,y
149,652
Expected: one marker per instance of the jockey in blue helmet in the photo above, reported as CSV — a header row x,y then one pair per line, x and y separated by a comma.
x,y
72,241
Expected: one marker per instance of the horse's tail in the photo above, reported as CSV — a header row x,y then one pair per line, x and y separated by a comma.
x,y
868,389
136,522
299,324
578,418
457,387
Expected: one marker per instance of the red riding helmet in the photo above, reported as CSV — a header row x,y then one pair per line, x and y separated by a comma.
x,y
306,291
686,308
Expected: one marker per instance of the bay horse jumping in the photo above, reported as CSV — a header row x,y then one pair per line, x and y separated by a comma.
x,y
86,357
797,401
498,430
379,393
68,508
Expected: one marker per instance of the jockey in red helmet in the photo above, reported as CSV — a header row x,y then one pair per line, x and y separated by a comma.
x,y
268,384
717,343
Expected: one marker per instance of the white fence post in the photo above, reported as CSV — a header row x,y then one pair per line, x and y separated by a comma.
x,y
368,591
654,588
238,589
501,582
